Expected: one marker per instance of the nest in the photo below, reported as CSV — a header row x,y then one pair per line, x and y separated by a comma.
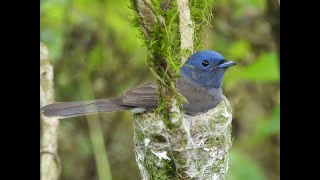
x,y
198,148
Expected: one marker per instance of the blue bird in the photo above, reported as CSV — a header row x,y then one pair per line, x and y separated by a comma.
x,y
200,83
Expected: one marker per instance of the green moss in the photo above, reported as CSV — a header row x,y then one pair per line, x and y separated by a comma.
x,y
220,118
201,14
210,142
139,135
157,138
163,43
159,169
221,141
216,141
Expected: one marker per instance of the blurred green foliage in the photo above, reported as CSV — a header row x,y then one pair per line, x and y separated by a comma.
x,y
243,167
97,53
265,68
267,127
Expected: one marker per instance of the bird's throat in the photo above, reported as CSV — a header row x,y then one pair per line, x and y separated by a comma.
x,y
200,99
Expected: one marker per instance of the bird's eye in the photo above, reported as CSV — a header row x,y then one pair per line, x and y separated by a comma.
x,y
205,63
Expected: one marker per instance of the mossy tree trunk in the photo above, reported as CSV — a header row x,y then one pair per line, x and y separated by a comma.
x,y
168,143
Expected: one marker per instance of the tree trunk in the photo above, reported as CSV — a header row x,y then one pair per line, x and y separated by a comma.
x,y
50,163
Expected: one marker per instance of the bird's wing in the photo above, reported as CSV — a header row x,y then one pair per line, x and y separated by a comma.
x,y
144,96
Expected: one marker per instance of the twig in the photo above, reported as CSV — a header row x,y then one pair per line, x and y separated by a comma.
x,y
186,29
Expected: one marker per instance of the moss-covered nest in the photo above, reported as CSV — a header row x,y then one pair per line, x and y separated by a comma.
x,y
197,150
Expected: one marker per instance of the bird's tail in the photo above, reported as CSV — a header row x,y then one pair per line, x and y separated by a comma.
x,y
80,108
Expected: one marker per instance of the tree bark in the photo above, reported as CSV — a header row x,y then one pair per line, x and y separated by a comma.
x,y
50,163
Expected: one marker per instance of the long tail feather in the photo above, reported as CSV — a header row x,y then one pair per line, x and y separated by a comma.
x,y
80,108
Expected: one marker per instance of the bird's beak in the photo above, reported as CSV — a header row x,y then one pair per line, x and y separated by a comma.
x,y
227,64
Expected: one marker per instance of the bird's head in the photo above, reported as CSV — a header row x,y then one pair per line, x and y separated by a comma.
x,y
206,69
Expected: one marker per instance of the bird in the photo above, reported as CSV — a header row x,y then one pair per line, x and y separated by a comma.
x,y
200,82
